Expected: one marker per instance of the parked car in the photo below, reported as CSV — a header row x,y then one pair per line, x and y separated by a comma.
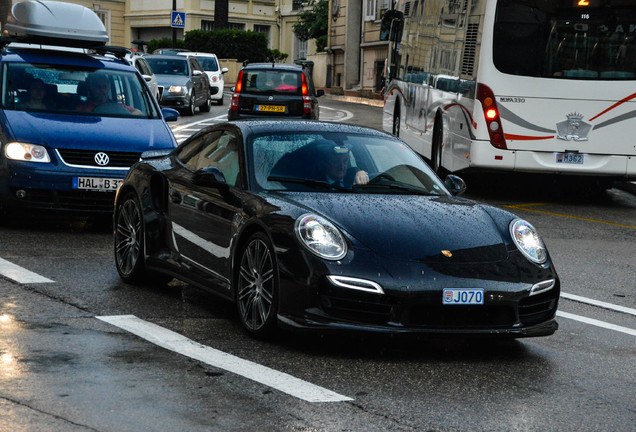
x,y
274,90
215,73
253,211
71,123
185,84
137,60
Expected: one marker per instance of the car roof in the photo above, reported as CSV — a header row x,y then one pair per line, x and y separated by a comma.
x,y
274,66
165,56
35,54
197,54
249,127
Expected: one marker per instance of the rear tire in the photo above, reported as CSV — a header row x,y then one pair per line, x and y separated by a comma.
x,y
129,244
206,106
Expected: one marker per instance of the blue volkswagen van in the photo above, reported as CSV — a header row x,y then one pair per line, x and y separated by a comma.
x,y
74,115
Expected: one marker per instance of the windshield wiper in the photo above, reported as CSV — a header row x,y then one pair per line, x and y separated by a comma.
x,y
392,186
307,182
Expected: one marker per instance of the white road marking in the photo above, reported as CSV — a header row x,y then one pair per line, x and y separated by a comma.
x,y
188,125
597,323
180,344
347,116
19,274
598,303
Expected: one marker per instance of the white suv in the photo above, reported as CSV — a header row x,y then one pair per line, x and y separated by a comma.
x,y
140,63
214,72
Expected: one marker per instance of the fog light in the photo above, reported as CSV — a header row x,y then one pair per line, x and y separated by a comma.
x,y
20,193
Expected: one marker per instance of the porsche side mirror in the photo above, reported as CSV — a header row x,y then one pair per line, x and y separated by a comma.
x,y
456,185
210,177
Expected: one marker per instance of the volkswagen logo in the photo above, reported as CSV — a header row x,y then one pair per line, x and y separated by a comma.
x,y
102,159
271,98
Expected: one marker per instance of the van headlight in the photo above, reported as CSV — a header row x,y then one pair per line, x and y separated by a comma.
x,y
321,237
26,152
528,241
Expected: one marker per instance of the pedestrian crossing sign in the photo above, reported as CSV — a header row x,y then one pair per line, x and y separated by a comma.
x,y
177,19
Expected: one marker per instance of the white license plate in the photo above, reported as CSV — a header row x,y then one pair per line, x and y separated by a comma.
x,y
96,183
463,296
569,158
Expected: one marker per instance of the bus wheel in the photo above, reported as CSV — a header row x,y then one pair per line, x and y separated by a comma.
x,y
438,144
396,120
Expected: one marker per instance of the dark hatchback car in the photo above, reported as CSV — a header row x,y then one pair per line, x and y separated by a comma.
x,y
316,225
184,82
274,90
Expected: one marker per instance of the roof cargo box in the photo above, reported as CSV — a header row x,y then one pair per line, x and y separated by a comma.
x,y
56,23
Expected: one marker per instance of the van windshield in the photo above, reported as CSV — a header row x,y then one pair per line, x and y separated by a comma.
x,y
562,40
75,90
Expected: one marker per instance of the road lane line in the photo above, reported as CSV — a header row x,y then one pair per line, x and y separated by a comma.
x,y
20,275
348,114
187,125
180,344
597,323
524,207
598,303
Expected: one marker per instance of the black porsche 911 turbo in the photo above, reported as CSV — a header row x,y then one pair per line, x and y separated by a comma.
x,y
321,226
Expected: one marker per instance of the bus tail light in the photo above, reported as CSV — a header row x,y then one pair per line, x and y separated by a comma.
x,y
491,112
234,106
306,98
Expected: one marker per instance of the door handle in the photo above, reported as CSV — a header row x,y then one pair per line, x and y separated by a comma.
x,y
175,197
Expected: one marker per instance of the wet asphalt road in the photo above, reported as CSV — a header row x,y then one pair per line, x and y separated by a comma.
x,y
62,369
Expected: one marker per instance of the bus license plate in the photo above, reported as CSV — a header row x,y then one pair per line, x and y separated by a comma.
x,y
96,183
270,108
569,158
463,296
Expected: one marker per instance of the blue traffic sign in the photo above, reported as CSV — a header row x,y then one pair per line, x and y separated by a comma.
x,y
177,19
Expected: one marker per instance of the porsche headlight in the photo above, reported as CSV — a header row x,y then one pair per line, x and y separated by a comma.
x,y
321,237
528,241
177,89
26,152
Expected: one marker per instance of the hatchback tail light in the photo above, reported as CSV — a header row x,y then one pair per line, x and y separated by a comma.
x,y
306,98
234,105
491,112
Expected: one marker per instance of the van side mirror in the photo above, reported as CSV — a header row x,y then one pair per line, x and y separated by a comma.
x,y
392,26
170,114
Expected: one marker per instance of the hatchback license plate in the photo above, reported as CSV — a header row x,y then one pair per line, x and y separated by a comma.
x,y
96,183
569,158
463,296
270,108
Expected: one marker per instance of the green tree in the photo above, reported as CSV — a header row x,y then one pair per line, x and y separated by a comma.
x,y
314,24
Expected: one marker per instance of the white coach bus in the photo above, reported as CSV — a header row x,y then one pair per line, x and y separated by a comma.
x,y
545,86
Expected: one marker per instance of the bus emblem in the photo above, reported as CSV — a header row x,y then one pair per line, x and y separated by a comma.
x,y
574,128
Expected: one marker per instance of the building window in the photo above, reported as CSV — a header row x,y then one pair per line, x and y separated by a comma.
x,y
297,4
207,25
301,49
104,16
369,10
383,6
236,26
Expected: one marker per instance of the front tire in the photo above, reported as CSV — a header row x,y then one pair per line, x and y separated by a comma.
x,y
192,107
437,147
257,286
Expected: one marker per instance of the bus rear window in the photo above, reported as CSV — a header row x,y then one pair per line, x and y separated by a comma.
x,y
559,39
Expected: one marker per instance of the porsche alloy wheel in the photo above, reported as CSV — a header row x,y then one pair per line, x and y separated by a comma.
x,y
129,240
257,286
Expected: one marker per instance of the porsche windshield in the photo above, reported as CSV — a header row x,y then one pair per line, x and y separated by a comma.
x,y
79,91
314,161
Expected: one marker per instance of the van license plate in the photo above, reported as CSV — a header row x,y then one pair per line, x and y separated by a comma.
x,y
569,158
270,108
96,183
463,296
